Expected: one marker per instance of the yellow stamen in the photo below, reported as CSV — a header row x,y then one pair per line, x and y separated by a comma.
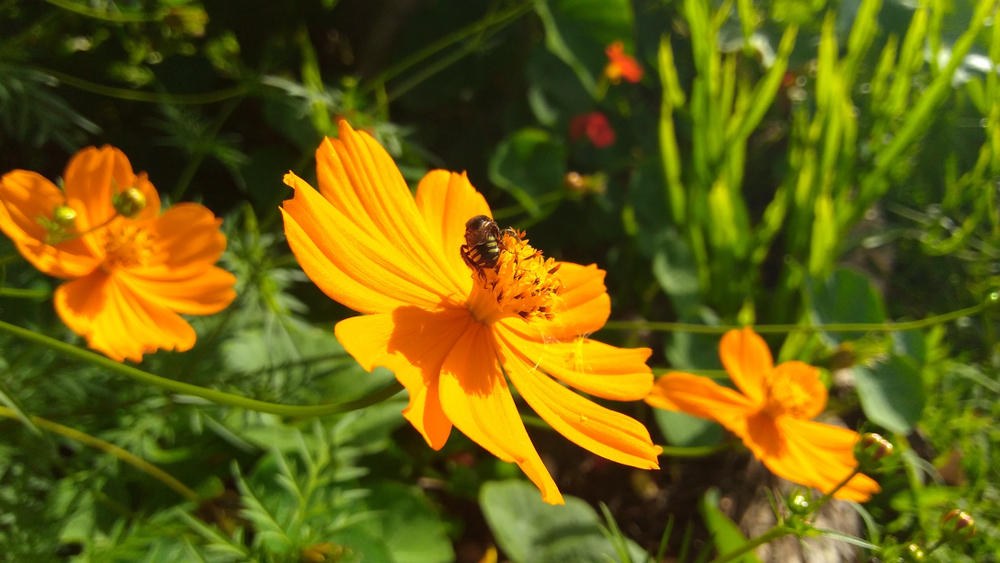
x,y
523,284
126,245
785,395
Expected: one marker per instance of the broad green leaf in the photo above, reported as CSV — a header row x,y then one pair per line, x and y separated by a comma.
x,y
686,431
846,296
531,531
411,527
529,164
725,533
892,392
675,271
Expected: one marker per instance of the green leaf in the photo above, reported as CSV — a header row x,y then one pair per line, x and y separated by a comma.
x,y
529,530
725,533
846,296
686,431
892,392
529,164
411,527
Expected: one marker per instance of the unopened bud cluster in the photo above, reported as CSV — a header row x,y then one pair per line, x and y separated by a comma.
x,y
129,203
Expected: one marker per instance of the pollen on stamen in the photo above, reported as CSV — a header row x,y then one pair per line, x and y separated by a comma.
x,y
126,246
523,284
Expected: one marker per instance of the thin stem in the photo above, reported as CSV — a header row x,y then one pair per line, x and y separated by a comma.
x,y
829,494
115,17
779,530
141,96
24,293
7,259
697,451
212,395
444,42
134,461
199,155
783,328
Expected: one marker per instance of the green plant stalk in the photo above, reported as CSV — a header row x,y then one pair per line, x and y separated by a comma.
x,y
141,96
134,461
783,328
108,16
829,494
24,293
697,451
779,530
211,395
501,19
196,159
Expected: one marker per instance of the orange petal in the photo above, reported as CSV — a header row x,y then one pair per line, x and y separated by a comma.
x,y
584,307
747,360
116,321
806,377
607,433
702,397
413,343
361,181
348,265
476,399
26,197
619,374
823,454
187,240
447,200
203,292
94,176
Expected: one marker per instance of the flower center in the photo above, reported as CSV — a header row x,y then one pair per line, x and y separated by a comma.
x,y
126,246
786,396
523,283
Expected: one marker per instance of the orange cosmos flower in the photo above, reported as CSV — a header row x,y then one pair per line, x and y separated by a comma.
x,y
772,415
132,269
451,332
621,64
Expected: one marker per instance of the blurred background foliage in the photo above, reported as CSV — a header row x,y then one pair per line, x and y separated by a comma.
x,y
785,162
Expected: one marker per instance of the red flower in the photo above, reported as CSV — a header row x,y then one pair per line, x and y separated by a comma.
x,y
621,64
595,125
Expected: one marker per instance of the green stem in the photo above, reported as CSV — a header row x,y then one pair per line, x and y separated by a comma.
x,y
697,451
502,18
199,155
814,506
141,96
783,328
212,395
779,530
116,17
7,259
87,439
24,293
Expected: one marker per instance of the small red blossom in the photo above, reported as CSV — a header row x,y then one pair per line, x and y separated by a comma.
x,y
621,64
596,126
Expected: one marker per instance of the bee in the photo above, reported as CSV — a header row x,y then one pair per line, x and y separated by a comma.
x,y
483,243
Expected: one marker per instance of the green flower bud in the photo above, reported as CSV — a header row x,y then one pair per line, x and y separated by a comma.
x,y
798,503
64,216
129,203
872,448
913,553
958,526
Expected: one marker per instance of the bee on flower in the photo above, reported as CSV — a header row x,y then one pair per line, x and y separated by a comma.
x,y
455,306
130,269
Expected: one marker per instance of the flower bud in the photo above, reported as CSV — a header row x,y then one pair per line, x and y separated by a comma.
x,y
958,526
64,216
321,553
574,182
872,448
129,203
913,553
799,504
